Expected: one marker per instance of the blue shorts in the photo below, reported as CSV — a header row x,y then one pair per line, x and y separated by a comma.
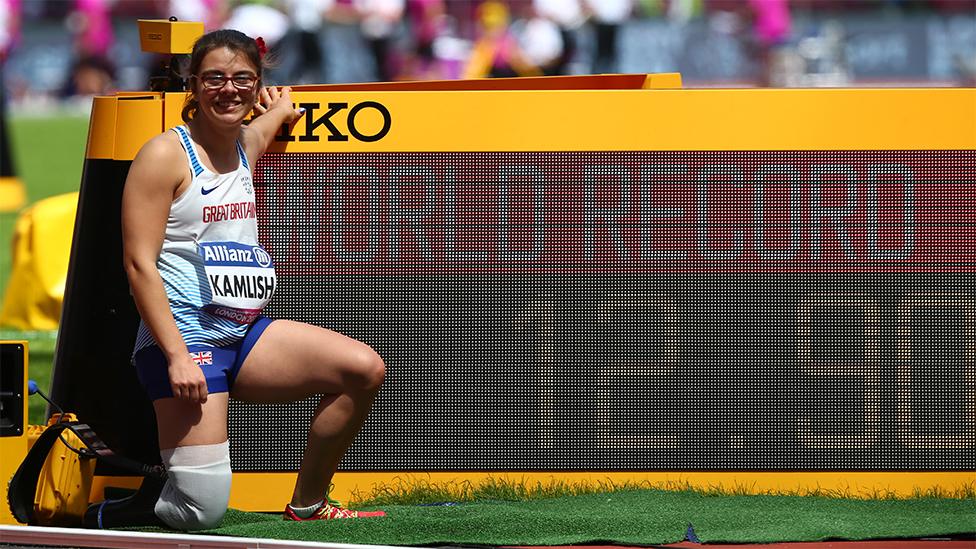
x,y
220,365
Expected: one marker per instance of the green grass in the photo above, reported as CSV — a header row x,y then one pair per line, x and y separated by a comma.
x,y
49,154
40,348
629,516
417,490
517,512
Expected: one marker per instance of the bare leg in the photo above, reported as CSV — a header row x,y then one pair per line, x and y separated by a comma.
x,y
292,361
185,423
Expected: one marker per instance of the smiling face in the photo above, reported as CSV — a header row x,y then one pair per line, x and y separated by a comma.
x,y
227,105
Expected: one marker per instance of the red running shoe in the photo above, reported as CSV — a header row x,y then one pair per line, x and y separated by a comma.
x,y
327,511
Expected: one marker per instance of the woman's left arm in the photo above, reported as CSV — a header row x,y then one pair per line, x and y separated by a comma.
x,y
272,109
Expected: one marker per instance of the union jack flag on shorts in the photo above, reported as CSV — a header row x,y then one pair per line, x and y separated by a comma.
x,y
202,358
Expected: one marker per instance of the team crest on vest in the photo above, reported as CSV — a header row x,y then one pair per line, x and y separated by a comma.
x,y
246,182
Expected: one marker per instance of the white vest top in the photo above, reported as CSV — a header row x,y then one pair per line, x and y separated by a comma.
x,y
217,277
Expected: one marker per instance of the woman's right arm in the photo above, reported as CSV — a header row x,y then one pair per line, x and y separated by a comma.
x,y
154,177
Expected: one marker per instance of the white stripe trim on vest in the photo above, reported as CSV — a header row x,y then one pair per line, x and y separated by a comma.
x,y
190,150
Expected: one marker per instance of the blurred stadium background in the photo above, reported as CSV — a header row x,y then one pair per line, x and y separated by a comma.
x,y
57,54
63,48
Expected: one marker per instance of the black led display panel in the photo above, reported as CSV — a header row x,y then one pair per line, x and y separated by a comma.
x,y
634,310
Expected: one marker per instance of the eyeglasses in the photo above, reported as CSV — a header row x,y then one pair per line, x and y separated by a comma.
x,y
216,81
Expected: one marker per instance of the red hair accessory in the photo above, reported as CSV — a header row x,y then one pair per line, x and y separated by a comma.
x,y
262,47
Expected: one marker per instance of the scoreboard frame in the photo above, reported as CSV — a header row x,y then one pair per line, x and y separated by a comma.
x,y
567,114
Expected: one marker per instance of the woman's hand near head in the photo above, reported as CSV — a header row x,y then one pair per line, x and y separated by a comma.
x,y
272,108
272,98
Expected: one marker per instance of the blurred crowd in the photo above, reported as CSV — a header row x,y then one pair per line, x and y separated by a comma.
x,y
419,39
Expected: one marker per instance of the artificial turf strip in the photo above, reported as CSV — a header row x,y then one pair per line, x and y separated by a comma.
x,y
636,517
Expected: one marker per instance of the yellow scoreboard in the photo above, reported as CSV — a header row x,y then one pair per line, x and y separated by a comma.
x,y
591,279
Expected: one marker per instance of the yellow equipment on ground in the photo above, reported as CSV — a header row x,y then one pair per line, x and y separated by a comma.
x,y
12,194
65,480
41,248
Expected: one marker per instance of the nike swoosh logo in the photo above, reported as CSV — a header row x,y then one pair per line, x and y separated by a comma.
x,y
208,191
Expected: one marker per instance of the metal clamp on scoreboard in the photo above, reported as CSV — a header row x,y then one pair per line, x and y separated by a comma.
x,y
173,39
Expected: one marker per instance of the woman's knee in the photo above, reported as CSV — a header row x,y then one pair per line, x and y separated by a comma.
x,y
370,370
192,507
197,489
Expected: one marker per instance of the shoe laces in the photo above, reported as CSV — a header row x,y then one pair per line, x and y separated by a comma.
x,y
329,511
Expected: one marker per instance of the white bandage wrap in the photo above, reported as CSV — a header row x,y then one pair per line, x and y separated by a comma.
x,y
197,489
